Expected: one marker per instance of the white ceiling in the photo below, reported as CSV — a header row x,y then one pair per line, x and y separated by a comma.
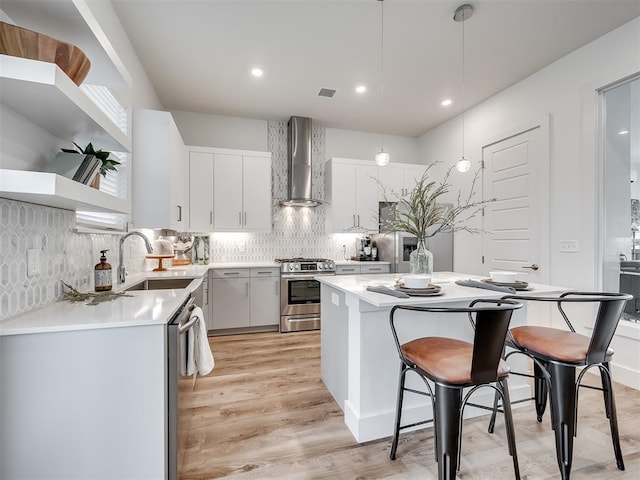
x,y
199,54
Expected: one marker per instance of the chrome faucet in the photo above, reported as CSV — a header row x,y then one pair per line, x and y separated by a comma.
x,y
122,273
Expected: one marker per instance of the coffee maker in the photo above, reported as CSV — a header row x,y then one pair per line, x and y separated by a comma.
x,y
364,249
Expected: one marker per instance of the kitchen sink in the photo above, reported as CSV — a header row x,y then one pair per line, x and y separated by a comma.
x,y
161,284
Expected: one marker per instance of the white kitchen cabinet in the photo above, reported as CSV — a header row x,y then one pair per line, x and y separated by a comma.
x,y
398,180
352,193
365,268
200,191
245,297
242,193
229,190
229,294
159,164
264,295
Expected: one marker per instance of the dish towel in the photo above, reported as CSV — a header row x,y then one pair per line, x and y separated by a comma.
x,y
199,357
486,286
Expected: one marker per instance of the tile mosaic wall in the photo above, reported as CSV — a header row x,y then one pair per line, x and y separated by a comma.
x,y
64,255
296,232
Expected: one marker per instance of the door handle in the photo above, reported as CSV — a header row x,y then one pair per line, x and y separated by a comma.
x,y
179,213
533,267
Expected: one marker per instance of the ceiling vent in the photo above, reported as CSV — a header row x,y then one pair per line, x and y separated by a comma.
x,y
326,92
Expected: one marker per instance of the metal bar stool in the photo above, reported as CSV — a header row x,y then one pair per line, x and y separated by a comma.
x,y
556,353
453,365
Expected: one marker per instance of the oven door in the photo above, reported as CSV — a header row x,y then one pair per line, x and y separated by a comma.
x,y
299,295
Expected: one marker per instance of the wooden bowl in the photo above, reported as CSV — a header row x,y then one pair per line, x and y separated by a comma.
x,y
20,42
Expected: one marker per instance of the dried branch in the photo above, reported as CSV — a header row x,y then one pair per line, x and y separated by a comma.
x,y
421,210
72,295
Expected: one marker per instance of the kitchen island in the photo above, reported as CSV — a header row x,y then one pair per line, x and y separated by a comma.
x,y
359,360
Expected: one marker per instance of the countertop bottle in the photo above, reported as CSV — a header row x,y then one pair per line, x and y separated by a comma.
x,y
102,272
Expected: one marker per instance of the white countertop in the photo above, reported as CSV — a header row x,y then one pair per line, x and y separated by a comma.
x,y
356,285
145,307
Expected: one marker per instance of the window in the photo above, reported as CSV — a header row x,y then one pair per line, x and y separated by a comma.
x,y
115,183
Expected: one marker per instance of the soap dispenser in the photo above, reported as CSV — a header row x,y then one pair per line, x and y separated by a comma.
x,y
102,272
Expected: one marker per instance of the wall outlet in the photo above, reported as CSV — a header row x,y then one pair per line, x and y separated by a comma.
x,y
33,262
569,246
335,299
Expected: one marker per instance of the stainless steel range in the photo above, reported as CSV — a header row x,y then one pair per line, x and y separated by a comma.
x,y
300,292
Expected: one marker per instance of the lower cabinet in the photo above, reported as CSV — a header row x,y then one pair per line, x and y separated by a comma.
x,y
365,268
244,297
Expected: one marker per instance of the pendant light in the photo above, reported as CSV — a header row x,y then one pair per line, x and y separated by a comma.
x,y
462,14
382,157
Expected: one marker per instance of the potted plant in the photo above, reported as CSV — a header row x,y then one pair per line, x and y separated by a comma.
x,y
424,215
108,163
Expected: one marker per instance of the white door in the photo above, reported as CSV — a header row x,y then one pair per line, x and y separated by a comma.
x,y
513,174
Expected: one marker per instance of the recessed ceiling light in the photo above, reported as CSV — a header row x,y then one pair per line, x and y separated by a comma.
x,y
257,72
361,89
623,132
446,102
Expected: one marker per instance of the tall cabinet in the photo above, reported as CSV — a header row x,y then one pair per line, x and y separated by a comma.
x,y
229,190
160,166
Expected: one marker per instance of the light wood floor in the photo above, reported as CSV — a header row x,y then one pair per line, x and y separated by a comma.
x,y
264,413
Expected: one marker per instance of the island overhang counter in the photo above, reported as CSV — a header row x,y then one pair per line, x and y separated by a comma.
x,y
359,360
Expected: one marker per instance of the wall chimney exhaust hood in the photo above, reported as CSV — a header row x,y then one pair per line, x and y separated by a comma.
x,y
299,164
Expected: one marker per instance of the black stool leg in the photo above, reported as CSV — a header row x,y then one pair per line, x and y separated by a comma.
x,y
563,401
448,402
540,389
508,420
492,420
396,431
610,408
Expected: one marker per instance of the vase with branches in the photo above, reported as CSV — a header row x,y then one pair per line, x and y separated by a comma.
x,y
424,214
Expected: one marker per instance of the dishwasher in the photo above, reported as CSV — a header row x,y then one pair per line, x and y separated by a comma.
x,y
178,424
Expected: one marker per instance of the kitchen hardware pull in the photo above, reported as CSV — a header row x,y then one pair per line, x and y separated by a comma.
x,y
533,267
244,215
240,218
358,219
354,221
263,273
179,213
348,269
375,269
187,326
232,273
211,217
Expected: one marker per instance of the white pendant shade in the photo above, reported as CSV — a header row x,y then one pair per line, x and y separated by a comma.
x,y
382,158
463,165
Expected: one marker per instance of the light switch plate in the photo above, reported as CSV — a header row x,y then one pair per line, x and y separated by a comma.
x,y
569,246
33,262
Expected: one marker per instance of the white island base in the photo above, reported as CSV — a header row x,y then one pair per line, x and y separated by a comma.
x,y
359,360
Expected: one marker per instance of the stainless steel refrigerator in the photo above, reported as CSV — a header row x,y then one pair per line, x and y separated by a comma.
x,y
395,247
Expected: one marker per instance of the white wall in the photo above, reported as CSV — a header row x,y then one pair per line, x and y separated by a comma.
x,y
251,134
566,92
221,131
364,145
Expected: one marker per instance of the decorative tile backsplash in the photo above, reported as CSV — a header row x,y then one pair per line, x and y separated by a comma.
x,y
64,255
70,256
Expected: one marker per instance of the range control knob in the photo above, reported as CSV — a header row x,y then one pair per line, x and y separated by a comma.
x,y
320,266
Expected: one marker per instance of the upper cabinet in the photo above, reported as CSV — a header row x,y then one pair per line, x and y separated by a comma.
x,y
229,190
397,180
352,193
160,166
